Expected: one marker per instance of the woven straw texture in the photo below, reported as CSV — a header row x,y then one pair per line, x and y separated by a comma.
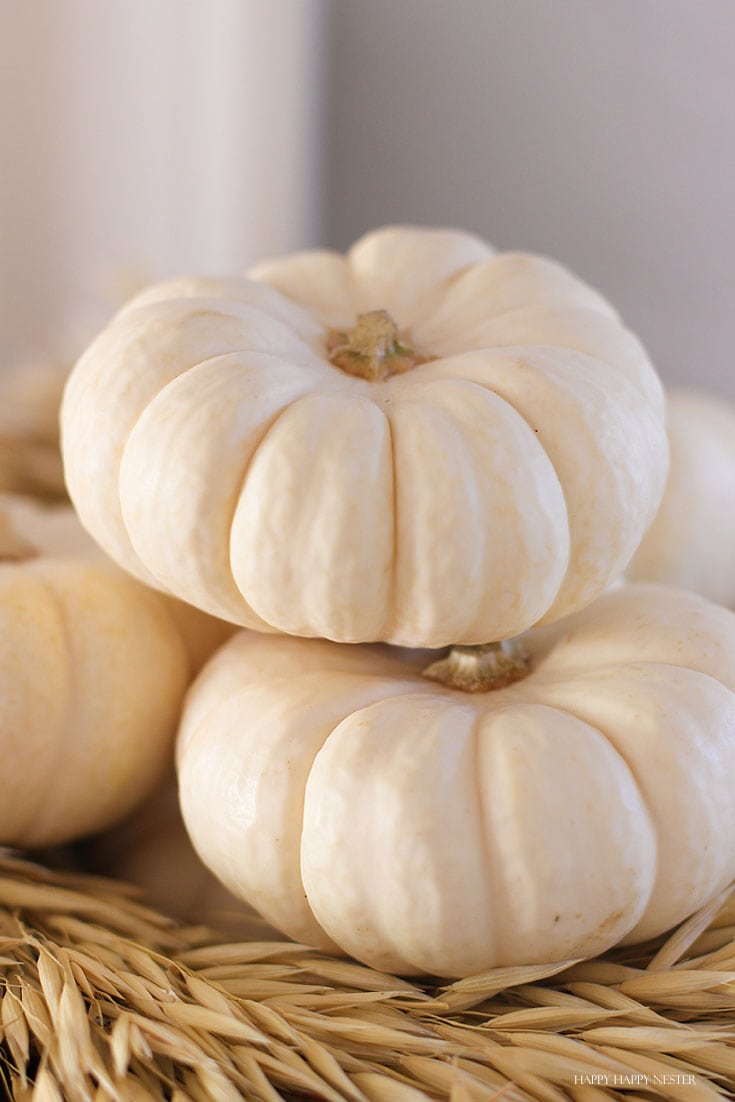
x,y
104,998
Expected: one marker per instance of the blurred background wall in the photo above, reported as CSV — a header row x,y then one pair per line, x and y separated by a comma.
x,y
146,138
141,138
601,132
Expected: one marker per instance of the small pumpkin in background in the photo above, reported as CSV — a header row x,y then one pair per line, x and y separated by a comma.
x,y
93,670
423,442
30,456
582,796
691,542
151,849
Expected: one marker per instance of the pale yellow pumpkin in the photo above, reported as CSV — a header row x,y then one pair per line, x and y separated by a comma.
x,y
421,442
691,542
93,669
360,806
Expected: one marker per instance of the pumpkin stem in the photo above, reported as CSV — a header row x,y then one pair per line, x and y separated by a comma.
x,y
13,548
373,349
481,669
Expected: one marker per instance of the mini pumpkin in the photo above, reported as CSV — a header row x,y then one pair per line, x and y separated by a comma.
x,y
691,542
151,849
363,807
422,442
93,669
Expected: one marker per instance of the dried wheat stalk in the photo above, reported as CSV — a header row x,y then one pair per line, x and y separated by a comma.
x,y
103,998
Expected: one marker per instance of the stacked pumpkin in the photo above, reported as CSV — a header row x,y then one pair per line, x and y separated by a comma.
x,y
420,445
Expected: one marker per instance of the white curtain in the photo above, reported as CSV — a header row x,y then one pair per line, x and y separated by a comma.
x,y
144,138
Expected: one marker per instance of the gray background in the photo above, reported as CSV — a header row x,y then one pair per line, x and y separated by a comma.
x,y
161,137
601,132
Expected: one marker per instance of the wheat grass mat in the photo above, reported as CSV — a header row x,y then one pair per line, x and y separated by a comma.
x,y
104,998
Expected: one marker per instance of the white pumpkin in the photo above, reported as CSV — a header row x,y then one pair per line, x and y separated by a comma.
x,y
361,807
422,442
691,543
93,669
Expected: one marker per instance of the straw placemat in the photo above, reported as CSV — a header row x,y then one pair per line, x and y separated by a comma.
x,y
103,998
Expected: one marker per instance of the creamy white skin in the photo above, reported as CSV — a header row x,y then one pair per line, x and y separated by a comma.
x,y
215,450
691,543
360,807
